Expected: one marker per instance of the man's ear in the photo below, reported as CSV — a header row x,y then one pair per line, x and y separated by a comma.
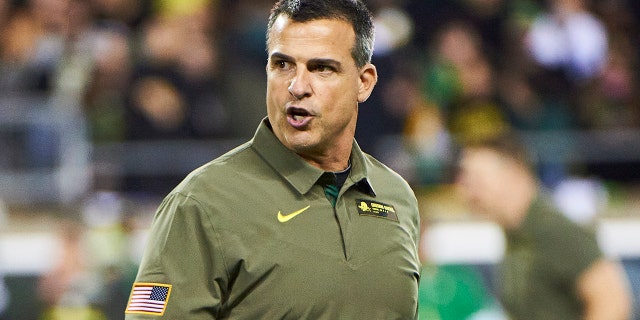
x,y
368,80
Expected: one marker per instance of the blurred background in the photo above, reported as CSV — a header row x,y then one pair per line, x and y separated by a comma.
x,y
105,105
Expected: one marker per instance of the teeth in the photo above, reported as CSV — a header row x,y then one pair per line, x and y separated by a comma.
x,y
296,117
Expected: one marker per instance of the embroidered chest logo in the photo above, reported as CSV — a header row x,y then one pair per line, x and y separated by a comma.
x,y
376,209
286,217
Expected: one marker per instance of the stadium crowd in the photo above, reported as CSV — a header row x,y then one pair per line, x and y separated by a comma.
x,y
450,71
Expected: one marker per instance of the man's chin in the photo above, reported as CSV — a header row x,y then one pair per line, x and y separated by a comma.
x,y
299,141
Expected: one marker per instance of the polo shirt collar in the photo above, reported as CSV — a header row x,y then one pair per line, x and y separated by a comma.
x,y
299,173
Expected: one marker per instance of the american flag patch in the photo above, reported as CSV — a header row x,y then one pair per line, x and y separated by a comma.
x,y
148,298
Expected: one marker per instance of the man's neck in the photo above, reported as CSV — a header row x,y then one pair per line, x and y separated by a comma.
x,y
337,160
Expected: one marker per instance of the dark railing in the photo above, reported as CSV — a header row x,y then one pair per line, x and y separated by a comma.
x,y
45,155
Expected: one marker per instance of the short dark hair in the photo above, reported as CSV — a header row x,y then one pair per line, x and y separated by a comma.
x,y
508,145
354,12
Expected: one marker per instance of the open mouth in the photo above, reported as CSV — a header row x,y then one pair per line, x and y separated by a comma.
x,y
298,117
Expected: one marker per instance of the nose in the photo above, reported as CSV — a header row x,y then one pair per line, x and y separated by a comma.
x,y
300,86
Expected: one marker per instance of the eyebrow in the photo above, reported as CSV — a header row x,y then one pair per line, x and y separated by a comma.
x,y
325,62
280,56
312,62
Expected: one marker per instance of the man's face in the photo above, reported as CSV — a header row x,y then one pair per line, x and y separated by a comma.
x,y
482,178
314,86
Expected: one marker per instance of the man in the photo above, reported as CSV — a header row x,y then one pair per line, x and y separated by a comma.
x,y
552,268
297,223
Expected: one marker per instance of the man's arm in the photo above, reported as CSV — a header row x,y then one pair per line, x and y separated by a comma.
x,y
184,255
605,292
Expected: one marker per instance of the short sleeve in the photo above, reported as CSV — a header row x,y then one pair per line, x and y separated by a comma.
x,y
184,255
570,248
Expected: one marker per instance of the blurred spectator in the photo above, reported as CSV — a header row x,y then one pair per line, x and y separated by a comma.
x,y
567,36
530,112
428,17
526,109
179,60
389,105
107,239
610,101
104,100
69,290
31,46
199,64
175,91
158,108
92,276
552,268
428,142
242,48
130,13
394,27
568,44
461,80
489,18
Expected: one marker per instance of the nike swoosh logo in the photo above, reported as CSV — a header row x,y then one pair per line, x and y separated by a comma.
x,y
285,218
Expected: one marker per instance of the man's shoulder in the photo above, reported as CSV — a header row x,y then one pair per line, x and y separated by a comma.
x,y
385,179
547,219
230,158
557,235
379,170
221,169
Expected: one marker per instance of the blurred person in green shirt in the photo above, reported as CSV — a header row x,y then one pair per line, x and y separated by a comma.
x,y
552,267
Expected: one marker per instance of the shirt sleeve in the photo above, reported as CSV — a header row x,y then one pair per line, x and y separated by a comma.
x,y
183,253
571,248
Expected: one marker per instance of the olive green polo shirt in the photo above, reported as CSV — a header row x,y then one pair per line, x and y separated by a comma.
x,y
544,258
251,235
